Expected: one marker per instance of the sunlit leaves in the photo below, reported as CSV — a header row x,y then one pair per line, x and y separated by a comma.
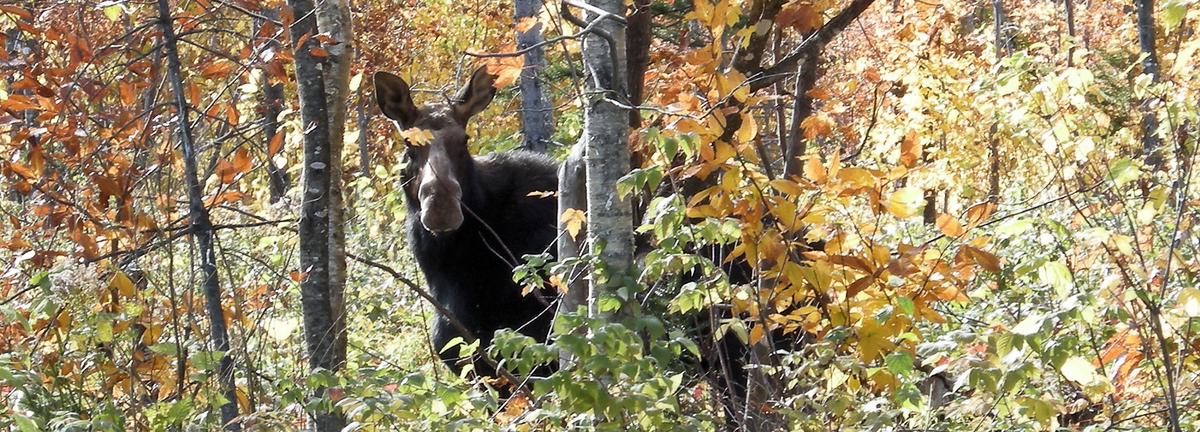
x,y
417,137
906,202
574,220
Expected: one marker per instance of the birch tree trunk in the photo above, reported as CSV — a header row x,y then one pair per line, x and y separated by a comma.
x,y
333,19
606,143
316,290
200,225
537,116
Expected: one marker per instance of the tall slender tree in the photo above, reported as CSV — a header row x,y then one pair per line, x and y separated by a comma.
x,y
199,224
606,144
537,116
319,297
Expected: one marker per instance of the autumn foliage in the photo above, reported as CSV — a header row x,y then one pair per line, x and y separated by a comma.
x,y
959,223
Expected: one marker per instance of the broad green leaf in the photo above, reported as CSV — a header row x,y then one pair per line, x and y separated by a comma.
x,y
1123,171
1057,276
1081,371
1029,326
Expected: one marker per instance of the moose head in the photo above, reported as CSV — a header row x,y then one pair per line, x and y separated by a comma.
x,y
442,167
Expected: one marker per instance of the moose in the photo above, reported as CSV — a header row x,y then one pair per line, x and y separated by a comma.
x,y
471,219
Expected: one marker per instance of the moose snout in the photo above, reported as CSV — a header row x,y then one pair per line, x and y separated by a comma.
x,y
441,211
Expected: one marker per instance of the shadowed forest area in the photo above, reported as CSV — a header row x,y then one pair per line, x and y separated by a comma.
x,y
528,215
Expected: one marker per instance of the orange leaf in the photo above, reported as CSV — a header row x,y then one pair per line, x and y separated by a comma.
x,y
979,213
986,260
505,69
226,171
526,23
241,161
949,225
817,125
217,69
20,13
276,144
814,171
910,150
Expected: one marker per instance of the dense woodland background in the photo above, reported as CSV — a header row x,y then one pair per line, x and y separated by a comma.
x,y
1000,195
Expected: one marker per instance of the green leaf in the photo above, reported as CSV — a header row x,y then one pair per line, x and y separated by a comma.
x,y
26,424
1029,326
1123,171
1014,227
1173,13
900,363
1057,276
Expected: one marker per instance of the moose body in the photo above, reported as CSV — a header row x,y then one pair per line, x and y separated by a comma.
x,y
470,269
471,219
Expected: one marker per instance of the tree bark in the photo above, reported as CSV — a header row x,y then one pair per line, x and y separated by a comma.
x,y
637,52
1003,43
572,194
364,123
333,19
272,106
1151,144
200,225
316,292
802,108
537,116
1070,6
606,143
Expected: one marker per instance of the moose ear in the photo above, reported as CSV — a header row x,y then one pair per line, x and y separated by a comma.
x,y
476,95
395,98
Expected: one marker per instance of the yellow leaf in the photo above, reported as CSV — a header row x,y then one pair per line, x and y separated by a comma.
x,y
573,219
748,130
756,334
1189,302
906,202
417,137
121,284
814,171
541,194
1081,371
787,186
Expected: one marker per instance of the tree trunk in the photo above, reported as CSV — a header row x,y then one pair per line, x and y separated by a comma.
x,y
806,78
200,225
272,105
1146,40
364,123
333,19
1003,44
537,116
1070,6
572,194
316,294
637,52
606,143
